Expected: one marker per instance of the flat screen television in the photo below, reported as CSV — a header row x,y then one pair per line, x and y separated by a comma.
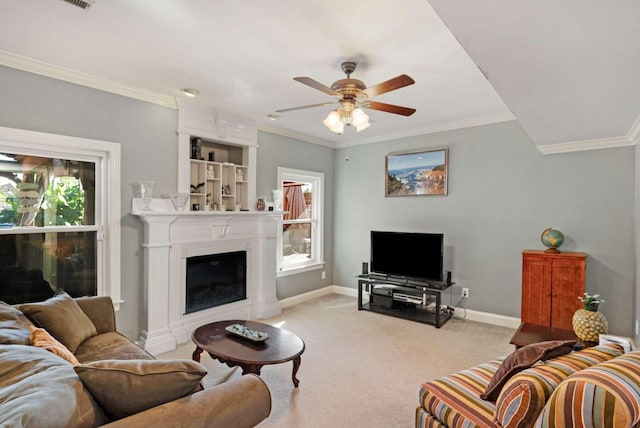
x,y
409,255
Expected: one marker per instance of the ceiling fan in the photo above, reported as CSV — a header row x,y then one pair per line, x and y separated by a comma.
x,y
353,94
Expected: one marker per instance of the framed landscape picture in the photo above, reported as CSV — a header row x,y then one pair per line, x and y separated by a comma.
x,y
417,174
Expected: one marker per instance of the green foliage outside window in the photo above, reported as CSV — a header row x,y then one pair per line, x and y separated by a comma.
x,y
64,199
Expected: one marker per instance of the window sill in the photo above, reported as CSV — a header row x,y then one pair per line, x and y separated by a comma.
x,y
300,269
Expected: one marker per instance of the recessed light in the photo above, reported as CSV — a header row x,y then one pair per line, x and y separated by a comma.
x,y
273,116
190,92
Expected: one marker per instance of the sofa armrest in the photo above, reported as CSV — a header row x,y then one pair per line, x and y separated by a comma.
x,y
241,402
100,311
606,394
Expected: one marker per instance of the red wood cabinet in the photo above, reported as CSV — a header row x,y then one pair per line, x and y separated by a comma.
x,y
551,285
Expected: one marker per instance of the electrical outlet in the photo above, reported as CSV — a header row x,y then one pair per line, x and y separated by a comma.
x,y
324,275
465,292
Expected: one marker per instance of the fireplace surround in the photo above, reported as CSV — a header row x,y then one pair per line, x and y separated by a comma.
x,y
171,238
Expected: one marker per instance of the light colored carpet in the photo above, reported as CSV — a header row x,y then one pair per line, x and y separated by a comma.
x,y
360,369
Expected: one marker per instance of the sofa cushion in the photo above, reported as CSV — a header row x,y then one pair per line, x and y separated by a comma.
x,y
39,389
604,395
40,338
110,346
525,394
62,317
524,358
455,399
14,326
125,387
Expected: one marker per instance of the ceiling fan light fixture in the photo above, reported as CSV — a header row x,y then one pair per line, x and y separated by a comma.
x,y
363,126
332,119
351,93
359,118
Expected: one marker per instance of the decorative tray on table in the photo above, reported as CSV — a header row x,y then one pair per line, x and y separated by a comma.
x,y
247,333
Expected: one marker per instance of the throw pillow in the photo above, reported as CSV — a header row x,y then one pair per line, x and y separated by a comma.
x,y
39,389
524,358
40,338
126,387
62,317
14,326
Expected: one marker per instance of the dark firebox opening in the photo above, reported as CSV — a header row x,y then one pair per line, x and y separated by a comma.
x,y
216,279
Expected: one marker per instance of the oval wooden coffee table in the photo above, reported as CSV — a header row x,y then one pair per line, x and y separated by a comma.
x,y
280,347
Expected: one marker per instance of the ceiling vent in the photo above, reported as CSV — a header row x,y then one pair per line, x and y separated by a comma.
x,y
82,4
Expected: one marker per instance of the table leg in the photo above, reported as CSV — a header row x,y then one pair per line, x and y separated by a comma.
x,y
251,368
296,366
196,354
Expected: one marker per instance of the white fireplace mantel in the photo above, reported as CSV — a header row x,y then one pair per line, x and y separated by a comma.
x,y
171,237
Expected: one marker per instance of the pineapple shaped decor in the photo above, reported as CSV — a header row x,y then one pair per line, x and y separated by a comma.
x,y
588,323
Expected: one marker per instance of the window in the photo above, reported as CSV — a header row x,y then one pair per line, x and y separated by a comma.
x,y
59,216
300,241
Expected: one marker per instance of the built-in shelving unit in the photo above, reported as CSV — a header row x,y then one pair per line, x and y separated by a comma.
x,y
220,175
218,186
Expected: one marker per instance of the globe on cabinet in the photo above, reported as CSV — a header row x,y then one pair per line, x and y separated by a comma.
x,y
552,239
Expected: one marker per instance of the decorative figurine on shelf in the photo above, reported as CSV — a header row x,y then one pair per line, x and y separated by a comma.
x,y
210,173
195,188
239,175
207,205
261,204
212,156
215,206
196,148
226,189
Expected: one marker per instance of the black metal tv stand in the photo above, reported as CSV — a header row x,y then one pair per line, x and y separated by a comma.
x,y
413,300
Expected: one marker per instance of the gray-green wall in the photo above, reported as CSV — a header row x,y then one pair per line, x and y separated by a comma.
x,y
502,194
146,133
278,151
148,139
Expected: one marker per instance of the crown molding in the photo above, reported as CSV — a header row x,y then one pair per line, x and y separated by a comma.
x,y
634,132
631,139
9,59
578,146
432,129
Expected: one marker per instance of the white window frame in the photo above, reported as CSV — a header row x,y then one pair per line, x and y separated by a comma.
x,y
106,156
317,221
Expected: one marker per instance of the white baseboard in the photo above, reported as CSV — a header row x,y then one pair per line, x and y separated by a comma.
x,y
471,315
488,318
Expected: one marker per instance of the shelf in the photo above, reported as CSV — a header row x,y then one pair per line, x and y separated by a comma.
x,y
410,312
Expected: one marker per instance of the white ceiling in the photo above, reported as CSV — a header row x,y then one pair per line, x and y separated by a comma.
x,y
568,72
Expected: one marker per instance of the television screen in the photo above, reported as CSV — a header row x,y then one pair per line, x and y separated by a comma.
x,y
410,255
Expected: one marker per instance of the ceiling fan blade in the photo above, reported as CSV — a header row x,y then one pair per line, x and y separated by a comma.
x,y
389,108
303,107
316,85
390,85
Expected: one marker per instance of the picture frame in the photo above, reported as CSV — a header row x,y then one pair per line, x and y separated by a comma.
x,y
422,173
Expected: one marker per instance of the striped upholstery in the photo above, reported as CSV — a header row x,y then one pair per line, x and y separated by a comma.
x,y
606,395
525,394
454,401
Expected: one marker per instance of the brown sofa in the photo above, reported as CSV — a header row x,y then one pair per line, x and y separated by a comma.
x,y
114,382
